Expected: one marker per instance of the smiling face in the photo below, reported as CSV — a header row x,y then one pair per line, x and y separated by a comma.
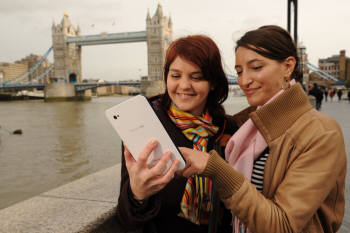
x,y
186,87
259,77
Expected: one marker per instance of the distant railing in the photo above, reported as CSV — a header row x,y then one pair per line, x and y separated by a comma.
x,y
109,38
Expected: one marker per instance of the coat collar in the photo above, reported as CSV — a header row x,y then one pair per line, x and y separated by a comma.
x,y
274,118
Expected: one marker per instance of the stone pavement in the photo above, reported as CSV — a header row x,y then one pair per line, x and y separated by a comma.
x,y
340,111
78,206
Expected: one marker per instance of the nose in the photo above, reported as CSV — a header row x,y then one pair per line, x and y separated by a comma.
x,y
185,82
245,79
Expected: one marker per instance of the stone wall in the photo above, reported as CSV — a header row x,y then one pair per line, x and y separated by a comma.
x,y
60,92
151,88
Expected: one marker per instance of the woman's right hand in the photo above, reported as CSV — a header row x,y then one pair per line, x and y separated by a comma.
x,y
145,181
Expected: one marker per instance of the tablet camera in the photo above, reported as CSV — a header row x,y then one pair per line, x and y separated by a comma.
x,y
116,116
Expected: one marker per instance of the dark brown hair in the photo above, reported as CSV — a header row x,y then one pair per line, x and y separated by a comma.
x,y
203,52
273,42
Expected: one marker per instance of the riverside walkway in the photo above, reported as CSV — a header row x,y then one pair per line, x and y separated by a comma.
x,y
86,205
340,111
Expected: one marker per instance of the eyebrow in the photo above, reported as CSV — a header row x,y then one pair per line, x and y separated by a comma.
x,y
249,62
176,70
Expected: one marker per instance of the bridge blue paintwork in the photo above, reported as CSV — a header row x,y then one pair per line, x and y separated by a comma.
x,y
109,38
81,86
78,86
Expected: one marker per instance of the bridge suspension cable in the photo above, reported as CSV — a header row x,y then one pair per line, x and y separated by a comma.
x,y
322,73
32,69
43,74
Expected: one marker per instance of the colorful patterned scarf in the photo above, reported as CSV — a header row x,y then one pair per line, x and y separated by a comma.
x,y
196,203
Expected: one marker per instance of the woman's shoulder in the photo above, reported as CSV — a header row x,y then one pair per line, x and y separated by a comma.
x,y
315,128
241,117
323,121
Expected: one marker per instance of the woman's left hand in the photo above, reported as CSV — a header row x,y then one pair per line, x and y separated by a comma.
x,y
196,161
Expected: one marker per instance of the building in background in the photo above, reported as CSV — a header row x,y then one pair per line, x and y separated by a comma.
x,y
10,71
337,66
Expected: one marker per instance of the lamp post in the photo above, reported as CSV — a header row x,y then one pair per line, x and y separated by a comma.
x,y
295,4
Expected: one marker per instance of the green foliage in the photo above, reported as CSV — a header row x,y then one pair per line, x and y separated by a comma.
x,y
347,84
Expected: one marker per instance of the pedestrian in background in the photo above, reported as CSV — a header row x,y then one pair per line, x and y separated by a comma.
x,y
318,94
331,94
339,94
325,94
349,95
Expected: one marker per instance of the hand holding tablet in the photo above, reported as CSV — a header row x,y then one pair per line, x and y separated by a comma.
x,y
136,123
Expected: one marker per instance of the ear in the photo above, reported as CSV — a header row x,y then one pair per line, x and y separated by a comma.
x,y
289,65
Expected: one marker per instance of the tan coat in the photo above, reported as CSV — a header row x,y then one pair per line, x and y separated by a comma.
x,y
304,174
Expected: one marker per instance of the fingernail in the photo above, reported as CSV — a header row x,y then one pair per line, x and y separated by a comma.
x,y
168,152
153,141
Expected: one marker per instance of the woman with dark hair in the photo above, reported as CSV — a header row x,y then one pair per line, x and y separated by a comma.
x,y
287,163
191,112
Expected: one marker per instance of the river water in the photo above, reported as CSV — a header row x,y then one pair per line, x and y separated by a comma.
x,y
61,142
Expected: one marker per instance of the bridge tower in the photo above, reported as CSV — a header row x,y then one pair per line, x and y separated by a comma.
x,y
159,30
67,56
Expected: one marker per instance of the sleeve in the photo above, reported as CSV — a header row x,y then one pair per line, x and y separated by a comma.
x,y
308,180
131,213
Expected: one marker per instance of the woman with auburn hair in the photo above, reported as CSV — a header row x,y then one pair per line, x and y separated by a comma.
x,y
191,112
286,164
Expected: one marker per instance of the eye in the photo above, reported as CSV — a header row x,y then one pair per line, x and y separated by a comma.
x,y
257,67
238,72
197,77
175,75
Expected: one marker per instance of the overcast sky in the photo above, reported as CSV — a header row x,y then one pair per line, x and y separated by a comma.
x,y
25,28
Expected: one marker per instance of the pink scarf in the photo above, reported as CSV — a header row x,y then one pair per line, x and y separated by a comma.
x,y
243,148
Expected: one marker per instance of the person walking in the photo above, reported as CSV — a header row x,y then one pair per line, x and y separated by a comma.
x,y
349,95
331,94
318,94
339,94
325,91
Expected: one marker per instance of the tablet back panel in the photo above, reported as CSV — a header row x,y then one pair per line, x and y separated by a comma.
x,y
136,123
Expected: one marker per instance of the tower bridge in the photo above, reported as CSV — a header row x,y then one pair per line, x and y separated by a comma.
x,y
67,43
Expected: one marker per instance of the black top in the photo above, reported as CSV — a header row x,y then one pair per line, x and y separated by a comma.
x,y
162,208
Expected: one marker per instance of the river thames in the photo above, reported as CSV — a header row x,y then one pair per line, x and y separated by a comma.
x,y
64,141
61,142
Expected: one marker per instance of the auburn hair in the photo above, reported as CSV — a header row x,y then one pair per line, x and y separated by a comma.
x,y
203,52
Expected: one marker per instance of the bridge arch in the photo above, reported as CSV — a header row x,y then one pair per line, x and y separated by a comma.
x,y
72,78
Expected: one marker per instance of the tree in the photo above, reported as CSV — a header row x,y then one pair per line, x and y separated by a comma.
x,y
347,84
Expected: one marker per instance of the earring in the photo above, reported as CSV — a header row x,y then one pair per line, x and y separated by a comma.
x,y
285,85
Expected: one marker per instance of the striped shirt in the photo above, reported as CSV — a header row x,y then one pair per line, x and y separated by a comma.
x,y
258,170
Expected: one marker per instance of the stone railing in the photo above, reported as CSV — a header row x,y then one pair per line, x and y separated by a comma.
x,y
81,206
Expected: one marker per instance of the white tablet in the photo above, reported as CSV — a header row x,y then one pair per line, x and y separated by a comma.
x,y
136,123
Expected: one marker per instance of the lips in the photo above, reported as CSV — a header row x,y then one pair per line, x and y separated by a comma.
x,y
251,91
185,95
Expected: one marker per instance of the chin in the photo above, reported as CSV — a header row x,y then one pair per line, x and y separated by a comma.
x,y
184,108
253,102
